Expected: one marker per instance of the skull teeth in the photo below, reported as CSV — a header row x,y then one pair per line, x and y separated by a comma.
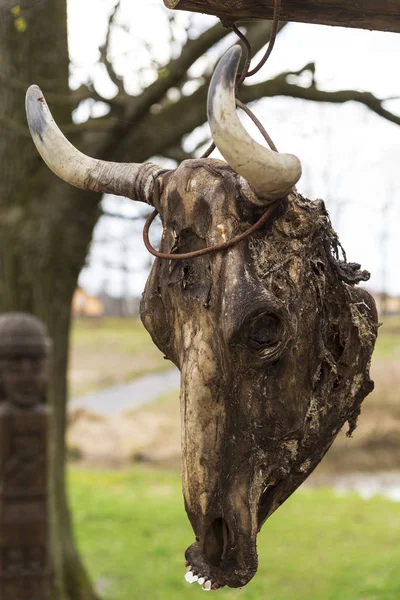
x,y
206,584
189,576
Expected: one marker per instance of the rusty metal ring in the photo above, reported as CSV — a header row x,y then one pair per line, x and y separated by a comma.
x,y
268,213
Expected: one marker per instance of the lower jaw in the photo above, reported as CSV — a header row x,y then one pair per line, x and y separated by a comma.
x,y
226,574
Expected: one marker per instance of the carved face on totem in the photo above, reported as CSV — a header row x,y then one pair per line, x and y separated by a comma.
x,y
23,360
23,380
272,338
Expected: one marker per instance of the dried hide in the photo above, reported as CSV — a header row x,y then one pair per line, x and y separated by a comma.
x,y
272,337
273,341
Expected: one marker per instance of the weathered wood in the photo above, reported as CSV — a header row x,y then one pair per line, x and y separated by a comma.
x,y
24,552
369,14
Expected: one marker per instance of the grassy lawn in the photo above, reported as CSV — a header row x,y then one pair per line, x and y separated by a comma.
x,y
132,531
388,344
105,352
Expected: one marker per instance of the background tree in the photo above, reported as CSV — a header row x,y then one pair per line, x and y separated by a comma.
x,y
46,225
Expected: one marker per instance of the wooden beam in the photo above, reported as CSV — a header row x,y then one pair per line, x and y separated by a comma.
x,y
364,14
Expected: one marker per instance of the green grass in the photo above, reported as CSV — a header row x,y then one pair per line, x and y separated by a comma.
x,y
387,345
109,351
391,321
388,342
132,531
128,334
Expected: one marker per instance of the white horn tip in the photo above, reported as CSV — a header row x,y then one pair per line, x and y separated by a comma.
x,y
224,77
34,91
36,111
271,175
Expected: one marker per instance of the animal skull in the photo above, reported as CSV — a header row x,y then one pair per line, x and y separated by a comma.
x,y
272,338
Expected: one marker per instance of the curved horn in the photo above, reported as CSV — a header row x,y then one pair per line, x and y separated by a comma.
x,y
126,179
270,174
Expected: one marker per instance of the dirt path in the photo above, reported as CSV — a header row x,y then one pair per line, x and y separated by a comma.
x,y
128,395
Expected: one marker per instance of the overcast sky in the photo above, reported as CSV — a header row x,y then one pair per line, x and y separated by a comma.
x,y
350,156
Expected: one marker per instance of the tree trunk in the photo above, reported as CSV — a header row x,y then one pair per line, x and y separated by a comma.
x,y
40,218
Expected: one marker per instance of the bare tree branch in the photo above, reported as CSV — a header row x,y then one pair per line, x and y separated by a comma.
x,y
106,213
99,125
15,127
172,75
176,71
73,98
85,91
157,133
279,86
104,50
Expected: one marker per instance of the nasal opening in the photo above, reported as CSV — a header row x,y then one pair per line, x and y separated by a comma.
x,y
216,542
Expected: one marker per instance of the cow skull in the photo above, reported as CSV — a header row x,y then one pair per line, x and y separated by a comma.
x,y
272,338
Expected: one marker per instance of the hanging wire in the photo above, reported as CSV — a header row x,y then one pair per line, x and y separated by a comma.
x,y
274,31
246,72
260,126
249,55
195,253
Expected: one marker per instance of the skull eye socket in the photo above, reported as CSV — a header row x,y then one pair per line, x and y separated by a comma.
x,y
264,331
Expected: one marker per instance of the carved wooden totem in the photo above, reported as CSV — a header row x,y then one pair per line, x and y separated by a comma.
x,y
24,555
